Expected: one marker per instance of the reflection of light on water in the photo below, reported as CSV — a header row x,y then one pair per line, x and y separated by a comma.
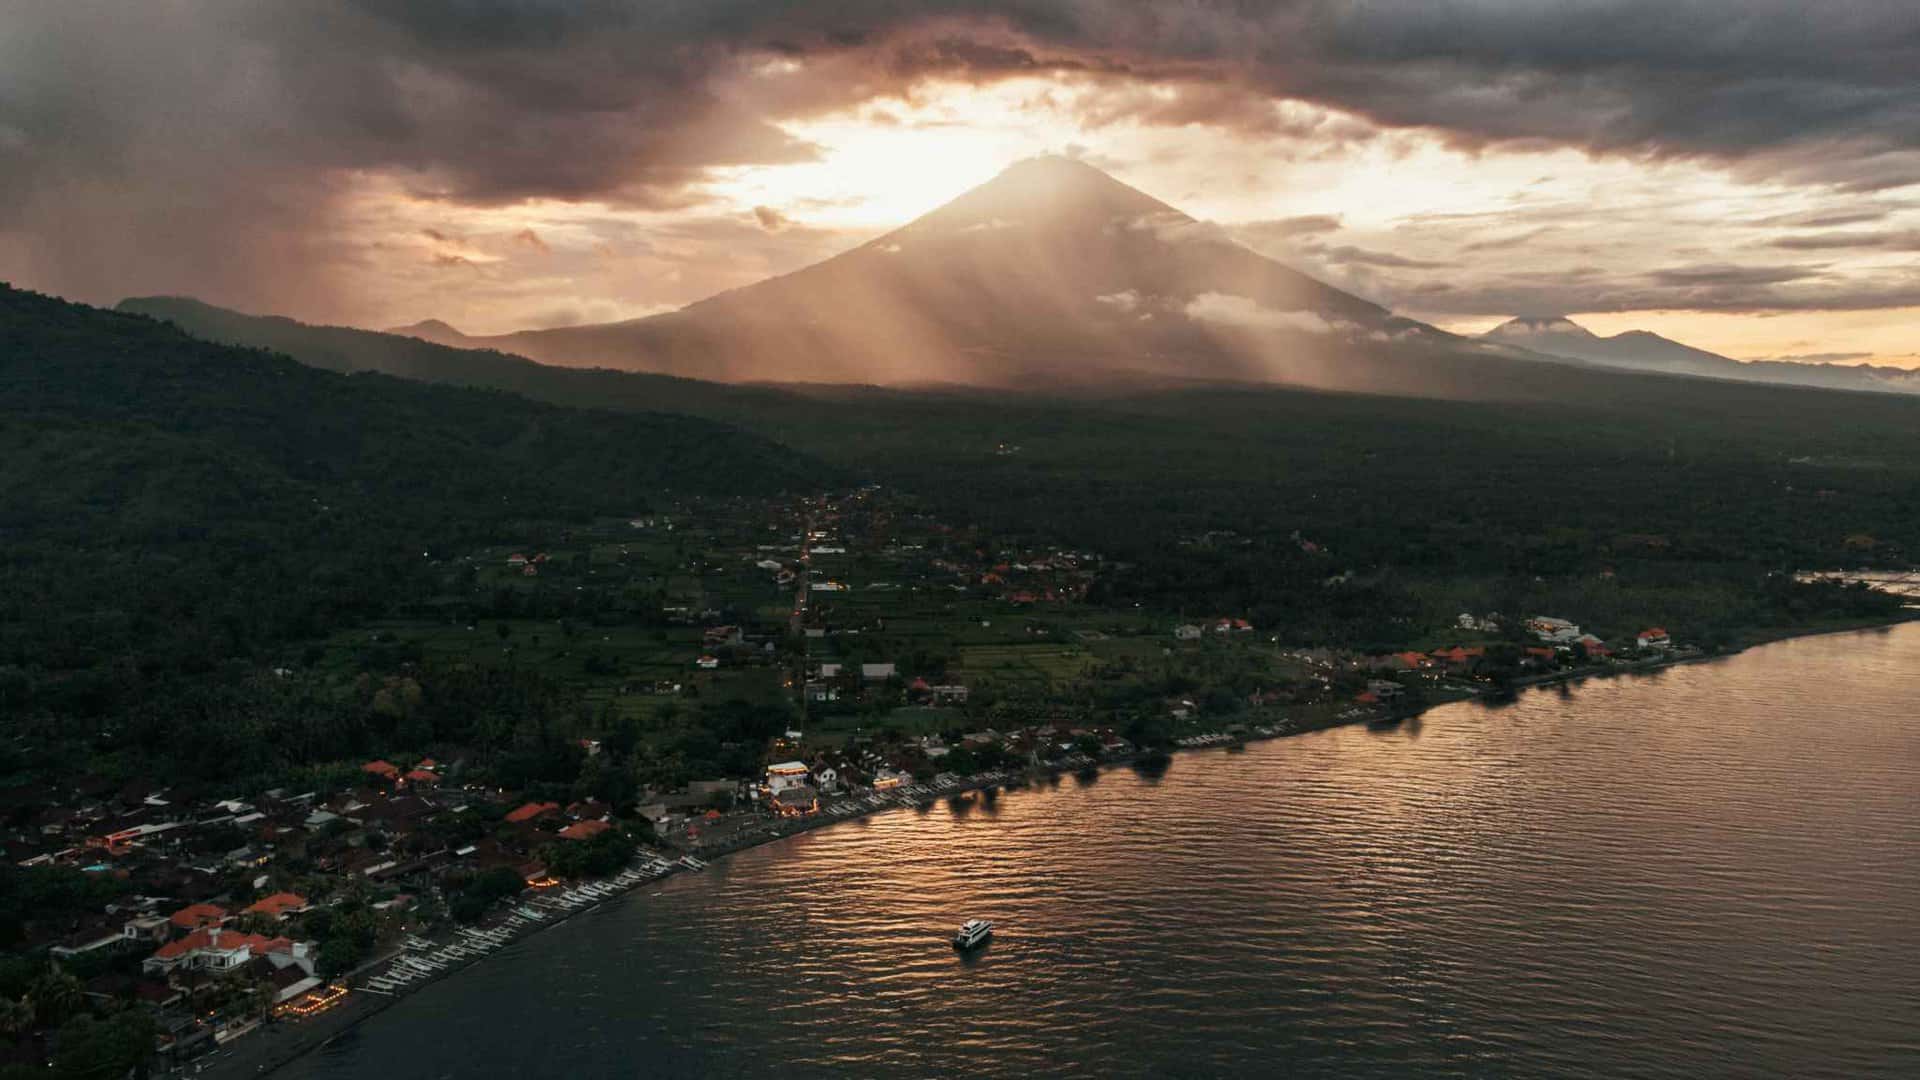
x,y
1607,884
1897,582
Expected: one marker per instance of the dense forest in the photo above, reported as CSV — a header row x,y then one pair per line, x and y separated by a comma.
x,y
175,514
1558,470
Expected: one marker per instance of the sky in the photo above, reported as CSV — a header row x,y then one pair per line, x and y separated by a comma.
x,y
1742,175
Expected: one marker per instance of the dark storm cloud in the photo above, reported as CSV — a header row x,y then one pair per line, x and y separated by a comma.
x,y
204,146
498,99
1819,90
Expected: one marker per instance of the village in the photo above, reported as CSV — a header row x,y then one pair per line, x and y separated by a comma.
x,y
876,657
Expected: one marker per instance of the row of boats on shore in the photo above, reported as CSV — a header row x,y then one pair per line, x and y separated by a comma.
x,y
915,794
420,959
1221,738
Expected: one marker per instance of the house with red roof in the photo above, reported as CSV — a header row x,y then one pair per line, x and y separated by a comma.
x,y
1458,655
218,950
1654,638
532,811
584,830
198,916
386,770
1596,648
278,906
423,776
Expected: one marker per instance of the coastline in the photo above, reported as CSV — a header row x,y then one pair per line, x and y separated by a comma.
x,y
272,1046
1695,656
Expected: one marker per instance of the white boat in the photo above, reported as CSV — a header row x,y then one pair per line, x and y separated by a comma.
x,y
972,933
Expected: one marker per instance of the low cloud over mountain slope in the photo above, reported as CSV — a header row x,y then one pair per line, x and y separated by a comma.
x,y
1052,273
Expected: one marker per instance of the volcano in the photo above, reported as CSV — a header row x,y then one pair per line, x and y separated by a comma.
x,y
1053,272
1643,350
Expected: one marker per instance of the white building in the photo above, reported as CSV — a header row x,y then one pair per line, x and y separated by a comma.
x,y
787,774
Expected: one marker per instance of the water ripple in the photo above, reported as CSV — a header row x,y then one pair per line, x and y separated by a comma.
x,y
1704,873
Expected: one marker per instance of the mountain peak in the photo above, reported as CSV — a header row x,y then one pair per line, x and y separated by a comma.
x,y
431,330
1050,272
1047,189
1533,326
1540,322
435,326
1057,168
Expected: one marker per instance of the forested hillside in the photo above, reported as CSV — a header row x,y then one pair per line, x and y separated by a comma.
x,y
169,507
1566,470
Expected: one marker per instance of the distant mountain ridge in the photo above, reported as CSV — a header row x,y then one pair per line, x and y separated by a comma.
x,y
1053,276
1642,350
414,356
306,428
429,329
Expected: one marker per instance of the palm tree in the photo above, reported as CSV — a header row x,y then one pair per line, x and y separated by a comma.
x,y
260,1000
56,996
16,1016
